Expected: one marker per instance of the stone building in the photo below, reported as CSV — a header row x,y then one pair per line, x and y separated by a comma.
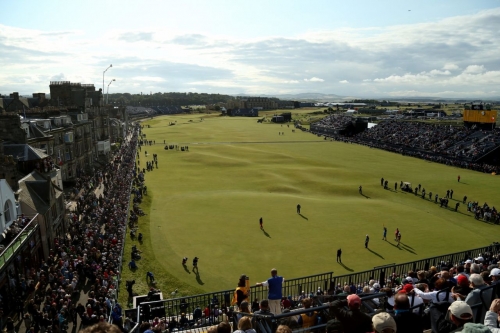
x,y
84,98
38,195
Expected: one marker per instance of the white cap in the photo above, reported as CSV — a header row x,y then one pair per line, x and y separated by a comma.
x,y
479,259
468,261
495,272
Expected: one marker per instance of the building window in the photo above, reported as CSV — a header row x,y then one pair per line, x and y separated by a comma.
x,y
6,212
68,154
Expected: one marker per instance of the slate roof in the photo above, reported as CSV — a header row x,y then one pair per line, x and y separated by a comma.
x,y
36,192
24,152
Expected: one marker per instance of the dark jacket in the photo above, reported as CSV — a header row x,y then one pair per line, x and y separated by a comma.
x,y
353,321
409,322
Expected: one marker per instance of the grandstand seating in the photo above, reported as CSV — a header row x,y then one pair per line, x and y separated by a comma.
x,y
452,145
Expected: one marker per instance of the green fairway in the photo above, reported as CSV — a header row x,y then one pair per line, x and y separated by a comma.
x,y
207,203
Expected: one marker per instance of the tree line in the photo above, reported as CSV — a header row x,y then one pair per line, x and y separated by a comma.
x,y
167,99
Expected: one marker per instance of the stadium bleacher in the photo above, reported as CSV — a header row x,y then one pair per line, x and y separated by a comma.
x,y
458,146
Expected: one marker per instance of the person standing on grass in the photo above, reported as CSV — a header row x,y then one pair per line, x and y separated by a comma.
x,y
458,178
339,255
360,189
195,263
367,240
274,284
261,222
385,234
298,208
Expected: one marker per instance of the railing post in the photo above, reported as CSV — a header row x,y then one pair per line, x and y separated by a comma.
x,y
382,277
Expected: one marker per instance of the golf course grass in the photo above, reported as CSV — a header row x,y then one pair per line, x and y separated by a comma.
x,y
207,201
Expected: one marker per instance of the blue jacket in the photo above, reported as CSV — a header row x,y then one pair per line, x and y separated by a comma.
x,y
275,286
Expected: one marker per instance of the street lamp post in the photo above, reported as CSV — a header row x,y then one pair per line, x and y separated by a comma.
x,y
103,77
107,93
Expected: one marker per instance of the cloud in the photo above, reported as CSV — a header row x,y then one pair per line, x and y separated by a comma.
x,y
450,67
190,40
314,79
438,72
133,37
417,59
474,69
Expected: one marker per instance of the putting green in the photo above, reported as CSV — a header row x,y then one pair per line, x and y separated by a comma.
x,y
207,203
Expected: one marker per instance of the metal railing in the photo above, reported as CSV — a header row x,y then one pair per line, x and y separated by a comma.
x,y
383,273
21,238
294,287
222,299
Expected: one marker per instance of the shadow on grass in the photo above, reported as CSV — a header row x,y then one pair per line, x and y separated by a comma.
x,y
303,216
186,269
347,268
375,253
365,195
198,278
265,233
406,245
397,247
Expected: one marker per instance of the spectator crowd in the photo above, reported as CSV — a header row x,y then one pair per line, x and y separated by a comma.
x,y
459,297
88,257
446,144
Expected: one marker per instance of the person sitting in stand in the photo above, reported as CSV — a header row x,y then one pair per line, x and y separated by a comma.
x,y
308,319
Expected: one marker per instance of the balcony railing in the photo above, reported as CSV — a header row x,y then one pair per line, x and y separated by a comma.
x,y
14,246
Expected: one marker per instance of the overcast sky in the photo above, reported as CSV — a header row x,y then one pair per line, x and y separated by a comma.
x,y
349,48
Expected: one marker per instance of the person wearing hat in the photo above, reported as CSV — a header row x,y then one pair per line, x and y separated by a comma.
x,y
495,279
462,289
460,313
406,320
450,318
353,320
384,323
495,275
414,299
